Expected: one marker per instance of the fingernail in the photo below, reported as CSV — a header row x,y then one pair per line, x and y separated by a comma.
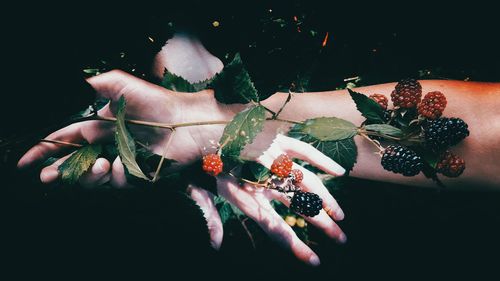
x,y
49,175
340,171
99,167
339,214
342,238
314,260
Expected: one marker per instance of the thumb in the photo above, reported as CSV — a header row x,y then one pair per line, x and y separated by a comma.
x,y
205,200
111,85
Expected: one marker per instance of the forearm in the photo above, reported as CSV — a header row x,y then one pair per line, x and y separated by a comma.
x,y
476,103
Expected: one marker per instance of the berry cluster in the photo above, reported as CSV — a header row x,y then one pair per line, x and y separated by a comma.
x,y
421,118
304,203
284,179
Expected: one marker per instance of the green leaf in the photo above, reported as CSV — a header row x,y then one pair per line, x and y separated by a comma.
x,y
369,108
79,162
385,129
242,130
254,171
125,143
233,84
177,83
326,128
343,151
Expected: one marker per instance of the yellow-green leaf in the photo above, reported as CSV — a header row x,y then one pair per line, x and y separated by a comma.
x,y
79,162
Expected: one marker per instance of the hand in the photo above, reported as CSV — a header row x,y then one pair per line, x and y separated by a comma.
x,y
144,103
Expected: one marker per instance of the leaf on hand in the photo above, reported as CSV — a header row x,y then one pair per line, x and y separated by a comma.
x,y
326,128
177,83
227,210
369,108
233,84
125,143
385,129
242,130
254,171
343,151
79,162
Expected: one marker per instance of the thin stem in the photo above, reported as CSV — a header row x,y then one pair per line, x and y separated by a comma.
x,y
62,142
288,121
274,114
250,236
380,148
167,145
288,98
163,125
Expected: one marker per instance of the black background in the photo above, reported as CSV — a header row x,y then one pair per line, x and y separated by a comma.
x,y
393,231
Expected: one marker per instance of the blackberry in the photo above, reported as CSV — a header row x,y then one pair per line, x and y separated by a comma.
x,y
401,160
450,165
407,93
444,132
306,203
432,105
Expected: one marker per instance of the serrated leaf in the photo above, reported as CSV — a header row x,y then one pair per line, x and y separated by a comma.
x,y
79,162
344,151
385,129
254,171
369,108
125,143
242,130
233,84
176,83
224,208
326,128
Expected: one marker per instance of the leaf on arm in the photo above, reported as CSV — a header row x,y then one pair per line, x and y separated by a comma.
x,y
233,84
385,129
242,130
125,143
369,108
326,128
79,162
339,146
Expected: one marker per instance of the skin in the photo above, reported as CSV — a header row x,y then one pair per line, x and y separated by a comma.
x,y
190,143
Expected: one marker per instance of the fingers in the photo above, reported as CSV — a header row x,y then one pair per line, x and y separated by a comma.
x,y
111,85
118,177
51,173
321,221
95,176
205,201
255,205
299,149
313,184
89,131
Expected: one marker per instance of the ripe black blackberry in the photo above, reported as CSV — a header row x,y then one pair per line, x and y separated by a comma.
x,y
306,203
407,94
444,132
401,160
